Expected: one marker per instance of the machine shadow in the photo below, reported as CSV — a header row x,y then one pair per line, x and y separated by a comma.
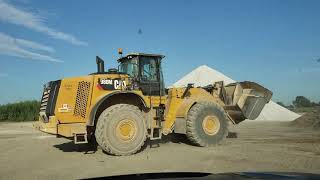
x,y
71,147
91,148
170,138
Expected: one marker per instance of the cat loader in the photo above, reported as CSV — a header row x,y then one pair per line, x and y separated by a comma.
x,y
122,107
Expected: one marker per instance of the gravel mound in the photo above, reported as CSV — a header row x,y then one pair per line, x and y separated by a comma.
x,y
308,120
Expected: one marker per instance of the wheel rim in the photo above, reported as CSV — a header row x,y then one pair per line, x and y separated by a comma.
x,y
126,130
211,125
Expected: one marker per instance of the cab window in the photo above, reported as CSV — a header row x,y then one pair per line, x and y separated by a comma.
x,y
148,69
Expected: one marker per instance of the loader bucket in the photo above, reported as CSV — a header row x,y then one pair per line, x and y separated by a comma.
x,y
245,100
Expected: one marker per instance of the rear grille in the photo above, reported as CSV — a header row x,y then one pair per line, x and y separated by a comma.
x,y
44,100
82,99
49,98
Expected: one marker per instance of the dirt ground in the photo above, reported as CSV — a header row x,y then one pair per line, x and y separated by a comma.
x,y
261,146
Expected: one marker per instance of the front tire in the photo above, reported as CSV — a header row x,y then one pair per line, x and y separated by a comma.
x,y
207,124
121,130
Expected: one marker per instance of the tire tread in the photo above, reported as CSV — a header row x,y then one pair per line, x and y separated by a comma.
x,y
99,133
192,133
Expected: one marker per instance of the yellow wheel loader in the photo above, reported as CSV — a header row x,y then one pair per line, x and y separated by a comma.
x,y
121,107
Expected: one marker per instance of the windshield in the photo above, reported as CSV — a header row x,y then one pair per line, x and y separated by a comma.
x,y
129,67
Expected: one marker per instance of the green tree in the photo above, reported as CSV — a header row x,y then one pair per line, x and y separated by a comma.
x,y
302,101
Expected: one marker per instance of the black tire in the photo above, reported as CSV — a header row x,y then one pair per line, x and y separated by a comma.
x,y
195,131
107,131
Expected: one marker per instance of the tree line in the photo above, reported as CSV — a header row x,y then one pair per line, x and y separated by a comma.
x,y
300,102
20,111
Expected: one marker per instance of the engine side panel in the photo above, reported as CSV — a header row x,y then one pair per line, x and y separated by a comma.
x,y
74,98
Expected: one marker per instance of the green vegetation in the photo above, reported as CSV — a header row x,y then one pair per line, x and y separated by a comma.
x,y
20,111
304,109
301,104
302,101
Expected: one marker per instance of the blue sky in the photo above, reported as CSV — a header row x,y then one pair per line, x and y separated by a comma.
x,y
275,43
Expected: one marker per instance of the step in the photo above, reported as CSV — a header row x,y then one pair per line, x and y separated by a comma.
x,y
80,138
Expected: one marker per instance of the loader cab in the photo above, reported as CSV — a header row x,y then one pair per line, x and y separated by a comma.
x,y
145,72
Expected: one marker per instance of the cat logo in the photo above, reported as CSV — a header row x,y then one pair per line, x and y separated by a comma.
x,y
112,84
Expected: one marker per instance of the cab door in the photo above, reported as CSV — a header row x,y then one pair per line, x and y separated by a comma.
x,y
150,80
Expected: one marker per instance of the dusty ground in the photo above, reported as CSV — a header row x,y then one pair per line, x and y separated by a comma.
x,y
261,146
310,119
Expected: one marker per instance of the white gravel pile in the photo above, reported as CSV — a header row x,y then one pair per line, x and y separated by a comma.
x,y
204,75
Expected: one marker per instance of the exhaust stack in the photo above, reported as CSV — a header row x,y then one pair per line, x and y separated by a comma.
x,y
100,64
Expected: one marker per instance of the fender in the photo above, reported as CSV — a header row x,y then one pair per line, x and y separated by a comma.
x,y
93,109
196,95
187,104
184,107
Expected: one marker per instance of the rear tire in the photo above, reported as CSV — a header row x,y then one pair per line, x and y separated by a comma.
x,y
121,130
207,124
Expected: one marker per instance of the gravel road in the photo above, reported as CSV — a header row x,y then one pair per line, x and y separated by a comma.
x,y
260,146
